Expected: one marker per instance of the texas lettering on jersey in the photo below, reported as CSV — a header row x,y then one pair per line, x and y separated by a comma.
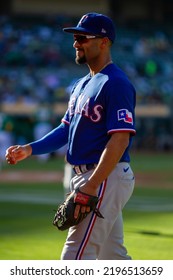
x,y
82,107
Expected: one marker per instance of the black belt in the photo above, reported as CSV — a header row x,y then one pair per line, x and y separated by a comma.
x,y
83,168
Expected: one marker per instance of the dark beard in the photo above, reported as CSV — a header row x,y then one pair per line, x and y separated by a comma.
x,y
80,60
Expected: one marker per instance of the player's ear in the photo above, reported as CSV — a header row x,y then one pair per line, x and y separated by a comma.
x,y
105,42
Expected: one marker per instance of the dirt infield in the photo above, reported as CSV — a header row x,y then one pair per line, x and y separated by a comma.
x,y
154,179
28,176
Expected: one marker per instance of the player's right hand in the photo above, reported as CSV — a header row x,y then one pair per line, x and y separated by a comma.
x,y
17,153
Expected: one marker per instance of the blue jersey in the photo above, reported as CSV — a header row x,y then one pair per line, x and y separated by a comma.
x,y
99,106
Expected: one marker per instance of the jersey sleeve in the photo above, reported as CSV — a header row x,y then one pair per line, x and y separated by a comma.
x,y
120,110
52,141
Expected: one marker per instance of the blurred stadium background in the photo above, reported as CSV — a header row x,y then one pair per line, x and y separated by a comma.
x,y
37,69
37,64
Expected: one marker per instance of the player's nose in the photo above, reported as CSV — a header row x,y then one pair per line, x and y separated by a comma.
x,y
76,44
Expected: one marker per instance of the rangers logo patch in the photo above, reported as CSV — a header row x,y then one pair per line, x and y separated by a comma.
x,y
125,115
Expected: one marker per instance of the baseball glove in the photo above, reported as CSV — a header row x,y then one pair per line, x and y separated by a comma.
x,y
64,217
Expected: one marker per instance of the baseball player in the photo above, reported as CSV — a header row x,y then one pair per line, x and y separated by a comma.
x,y
98,128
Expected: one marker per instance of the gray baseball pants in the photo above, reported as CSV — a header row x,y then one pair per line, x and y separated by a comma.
x,y
97,238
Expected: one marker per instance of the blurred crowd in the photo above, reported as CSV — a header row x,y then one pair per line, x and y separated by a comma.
x,y
147,57
37,63
37,60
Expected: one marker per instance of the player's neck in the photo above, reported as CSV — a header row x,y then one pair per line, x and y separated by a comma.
x,y
99,69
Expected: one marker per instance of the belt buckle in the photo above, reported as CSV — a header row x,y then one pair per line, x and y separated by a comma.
x,y
83,168
77,170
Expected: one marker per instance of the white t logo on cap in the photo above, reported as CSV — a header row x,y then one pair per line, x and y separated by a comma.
x,y
82,19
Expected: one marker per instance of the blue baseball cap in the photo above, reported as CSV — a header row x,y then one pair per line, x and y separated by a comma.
x,y
94,24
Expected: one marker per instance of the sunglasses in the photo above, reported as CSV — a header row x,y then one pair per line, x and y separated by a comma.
x,y
81,39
